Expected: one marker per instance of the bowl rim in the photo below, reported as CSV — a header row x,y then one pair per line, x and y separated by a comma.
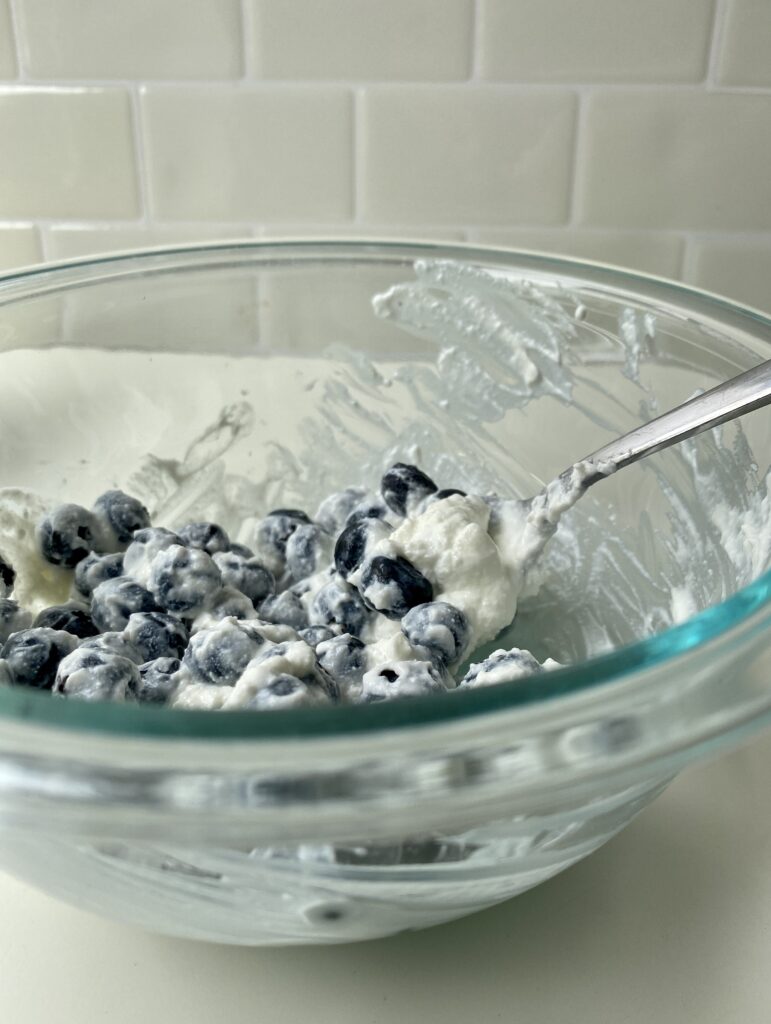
x,y
751,603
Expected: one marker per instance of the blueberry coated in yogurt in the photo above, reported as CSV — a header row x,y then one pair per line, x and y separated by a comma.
x,y
381,595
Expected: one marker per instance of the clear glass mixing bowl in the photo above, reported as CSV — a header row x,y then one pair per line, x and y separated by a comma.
x,y
331,825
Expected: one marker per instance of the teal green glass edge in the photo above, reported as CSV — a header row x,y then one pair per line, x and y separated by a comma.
x,y
133,720
45,709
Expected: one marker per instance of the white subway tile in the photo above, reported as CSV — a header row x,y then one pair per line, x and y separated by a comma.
x,y
414,40
275,153
480,155
745,52
136,39
604,41
7,51
304,310
67,153
678,159
405,232
66,241
739,269
19,247
651,252
213,311
171,313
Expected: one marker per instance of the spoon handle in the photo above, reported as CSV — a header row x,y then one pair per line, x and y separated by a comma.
x,y
749,390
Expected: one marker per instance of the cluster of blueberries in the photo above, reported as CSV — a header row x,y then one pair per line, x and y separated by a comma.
x,y
153,609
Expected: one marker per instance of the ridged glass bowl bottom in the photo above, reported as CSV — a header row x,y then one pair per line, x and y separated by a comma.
x,y
319,894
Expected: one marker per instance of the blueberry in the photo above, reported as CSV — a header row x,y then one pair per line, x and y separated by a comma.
x,y
374,510
183,580
158,679
285,691
112,642
286,608
306,550
334,510
156,635
401,679
447,492
33,655
403,487
284,685
7,577
339,603
296,659
242,550
207,536
393,586
441,628
276,528
115,600
260,630
343,657
66,535
500,667
315,635
118,516
68,617
273,650
143,549
227,603
219,655
95,569
96,675
245,574
355,541
13,618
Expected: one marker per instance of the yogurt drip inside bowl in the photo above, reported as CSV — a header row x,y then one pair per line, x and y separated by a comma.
x,y
501,383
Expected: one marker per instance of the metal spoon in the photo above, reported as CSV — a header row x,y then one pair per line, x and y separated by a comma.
x,y
741,394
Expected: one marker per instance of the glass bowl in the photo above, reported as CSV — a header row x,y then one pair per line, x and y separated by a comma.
x,y
225,378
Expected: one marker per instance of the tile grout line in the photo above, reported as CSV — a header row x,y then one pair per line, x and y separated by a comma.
x,y
66,85
683,237
576,172
45,245
688,266
247,54
475,40
107,225
719,19
358,155
140,163
21,71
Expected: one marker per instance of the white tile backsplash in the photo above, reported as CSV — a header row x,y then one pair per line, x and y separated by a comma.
x,y
601,41
67,153
482,155
137,39
270,154
348,229
740,268
652,252
19,247
687,159
7,52
635,133
746,49
408,40
67,242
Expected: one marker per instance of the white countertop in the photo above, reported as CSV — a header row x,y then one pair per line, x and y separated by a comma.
x,y
670,922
